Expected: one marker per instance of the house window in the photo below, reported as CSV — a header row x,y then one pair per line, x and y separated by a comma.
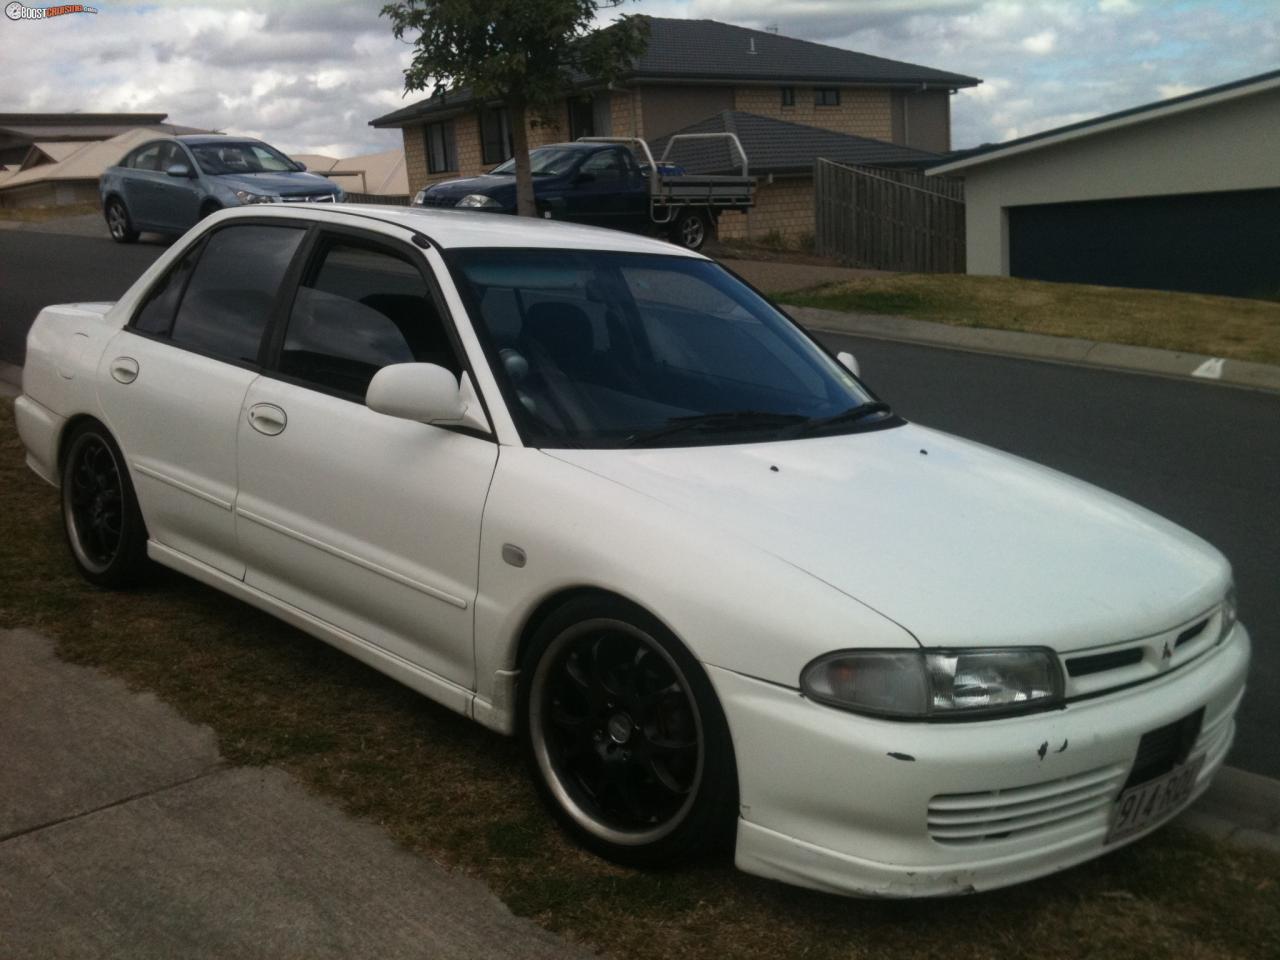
x,y
440,153
495,135
826,97
788,96
582,118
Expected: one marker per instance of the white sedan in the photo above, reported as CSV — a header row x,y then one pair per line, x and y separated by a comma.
x,y
592,490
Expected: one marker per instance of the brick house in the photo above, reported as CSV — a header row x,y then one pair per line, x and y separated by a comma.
x,y
693,71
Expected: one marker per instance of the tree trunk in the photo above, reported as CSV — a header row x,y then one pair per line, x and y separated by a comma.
x,y
526,205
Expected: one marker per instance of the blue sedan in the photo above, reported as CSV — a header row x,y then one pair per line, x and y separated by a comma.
x,y
169,183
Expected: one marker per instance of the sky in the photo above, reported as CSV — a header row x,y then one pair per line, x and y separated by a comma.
x,y
308,76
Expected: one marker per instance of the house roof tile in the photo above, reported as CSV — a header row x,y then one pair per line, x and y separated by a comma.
x,y
711,51
781,147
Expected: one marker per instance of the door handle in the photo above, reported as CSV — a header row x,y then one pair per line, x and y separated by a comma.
x,y
267,418
124,369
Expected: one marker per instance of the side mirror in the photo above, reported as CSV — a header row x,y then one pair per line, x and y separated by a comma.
x,y
425,393
849,362
180,170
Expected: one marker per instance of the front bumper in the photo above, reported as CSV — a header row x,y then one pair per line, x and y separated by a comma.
x,y
849,804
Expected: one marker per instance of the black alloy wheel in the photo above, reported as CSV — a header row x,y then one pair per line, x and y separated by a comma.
x,y
626,737
100,513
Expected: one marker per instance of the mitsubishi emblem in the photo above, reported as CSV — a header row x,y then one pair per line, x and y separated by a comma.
x,y
1167,655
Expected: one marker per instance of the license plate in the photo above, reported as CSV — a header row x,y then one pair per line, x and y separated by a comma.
x,y
1147,804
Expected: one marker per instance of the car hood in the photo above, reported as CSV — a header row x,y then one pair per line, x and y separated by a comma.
x,y
277,184
958,543
499,186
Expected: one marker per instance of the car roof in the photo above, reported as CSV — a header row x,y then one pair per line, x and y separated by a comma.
x,y
457,229
195,138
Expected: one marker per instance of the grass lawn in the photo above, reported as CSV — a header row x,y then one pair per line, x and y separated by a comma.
x,y
1190,322
451,791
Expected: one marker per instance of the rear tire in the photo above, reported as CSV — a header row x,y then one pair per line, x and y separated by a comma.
x,y
100,515
625,736
119,222
691,230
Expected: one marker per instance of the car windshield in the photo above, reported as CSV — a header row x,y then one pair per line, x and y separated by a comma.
x,y
605,349
544,162
240,157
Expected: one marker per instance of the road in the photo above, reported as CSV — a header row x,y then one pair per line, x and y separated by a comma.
x,y
1204,455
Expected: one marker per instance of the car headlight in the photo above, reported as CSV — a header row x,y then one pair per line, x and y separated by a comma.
x,y
478,200
936,684
244,196
419,197
1230,613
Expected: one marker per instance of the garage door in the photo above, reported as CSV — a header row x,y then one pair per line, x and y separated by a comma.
x,y
1226,243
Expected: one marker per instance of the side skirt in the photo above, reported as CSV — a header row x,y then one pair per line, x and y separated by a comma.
x,y
442,691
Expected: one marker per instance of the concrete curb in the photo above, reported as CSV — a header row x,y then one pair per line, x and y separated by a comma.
x,y
10,380
1241,808
1038,346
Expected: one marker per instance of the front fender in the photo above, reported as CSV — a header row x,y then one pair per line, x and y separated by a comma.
x,y
733,605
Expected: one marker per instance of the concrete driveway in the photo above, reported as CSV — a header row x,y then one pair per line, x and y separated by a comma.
x,y
123,833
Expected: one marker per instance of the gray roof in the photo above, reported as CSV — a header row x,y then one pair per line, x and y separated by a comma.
x,y
710,51
991,151
777,146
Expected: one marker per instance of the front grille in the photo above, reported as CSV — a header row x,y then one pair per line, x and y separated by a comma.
x,y
1097,670
430,201
1189,634
961,819
1159,751
1083,666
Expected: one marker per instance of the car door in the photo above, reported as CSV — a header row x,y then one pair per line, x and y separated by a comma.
x,y
174,379
139,185
369,522
176,198
598,195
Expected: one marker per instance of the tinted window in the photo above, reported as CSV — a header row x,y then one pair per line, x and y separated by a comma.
x,y
147,157
233,288
606,349
361,309
605,165
170,153
220,157
161,302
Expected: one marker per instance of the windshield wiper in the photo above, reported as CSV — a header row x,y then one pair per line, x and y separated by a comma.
x,y
852,415
730,420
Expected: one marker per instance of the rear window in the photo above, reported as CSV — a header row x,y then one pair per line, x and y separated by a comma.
x,y
233,290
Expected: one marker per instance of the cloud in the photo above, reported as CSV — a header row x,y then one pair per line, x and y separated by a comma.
x,y
301,76
1040,43
308,76
1041,60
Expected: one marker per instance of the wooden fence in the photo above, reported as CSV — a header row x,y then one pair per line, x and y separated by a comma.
x,y
888,219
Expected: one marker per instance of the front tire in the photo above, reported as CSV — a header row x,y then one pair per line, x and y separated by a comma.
x,y
625,736
119,222
104,527
691,230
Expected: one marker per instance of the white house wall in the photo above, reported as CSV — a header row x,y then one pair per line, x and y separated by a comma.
x,y
1224,146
